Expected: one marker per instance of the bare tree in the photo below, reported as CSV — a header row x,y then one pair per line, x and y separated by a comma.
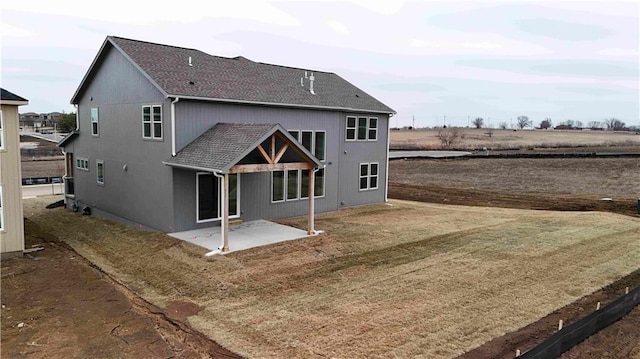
x,y
614,124
594,124
546,123
504,125
448,136
523,121
579,124
478,122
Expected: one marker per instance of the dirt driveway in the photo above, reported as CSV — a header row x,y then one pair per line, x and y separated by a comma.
x,y
54,301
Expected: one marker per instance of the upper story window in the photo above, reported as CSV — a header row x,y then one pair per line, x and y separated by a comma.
x,y
314,141
152,122
361,128
1,132
94,122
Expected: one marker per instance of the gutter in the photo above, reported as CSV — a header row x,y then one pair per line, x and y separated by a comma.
x,y
386,182
173,126
278,104
195,168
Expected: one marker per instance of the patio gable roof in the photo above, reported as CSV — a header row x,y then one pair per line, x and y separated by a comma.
x,y
244,147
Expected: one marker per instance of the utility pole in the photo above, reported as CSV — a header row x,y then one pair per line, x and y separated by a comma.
x,y
413,122
444,121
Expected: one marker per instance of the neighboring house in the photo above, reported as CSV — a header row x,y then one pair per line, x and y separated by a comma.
x,y
30,119
160,127
11,218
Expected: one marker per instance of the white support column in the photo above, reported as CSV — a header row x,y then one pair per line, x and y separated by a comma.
x,y
311,229
225,212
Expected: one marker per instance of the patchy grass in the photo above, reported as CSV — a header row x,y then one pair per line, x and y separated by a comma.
x,y
406,280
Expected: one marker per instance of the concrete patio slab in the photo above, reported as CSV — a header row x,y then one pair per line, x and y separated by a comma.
x,y
243,236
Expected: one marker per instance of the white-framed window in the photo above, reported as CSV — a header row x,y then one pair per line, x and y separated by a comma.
x,y
82,163
293,185
368,176
209,193
100,172
1,131
361,128
95,124
314,141
1,210
152,122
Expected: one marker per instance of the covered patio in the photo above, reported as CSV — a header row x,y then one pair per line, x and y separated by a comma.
x,y
233,148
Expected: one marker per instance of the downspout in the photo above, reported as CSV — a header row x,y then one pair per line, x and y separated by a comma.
x,y
173,126
386,175
77,117
223,201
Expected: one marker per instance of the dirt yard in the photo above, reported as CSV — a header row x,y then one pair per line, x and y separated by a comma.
x,y
377,283
57,304
564,184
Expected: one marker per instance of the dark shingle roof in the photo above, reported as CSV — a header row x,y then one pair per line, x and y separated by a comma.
x,y
10,96
242,80
225,144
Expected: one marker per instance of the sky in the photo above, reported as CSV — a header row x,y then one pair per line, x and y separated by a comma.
x,y
433,62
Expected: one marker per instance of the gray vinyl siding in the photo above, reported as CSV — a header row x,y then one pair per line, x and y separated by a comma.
x,y
341,171
142,193
356,152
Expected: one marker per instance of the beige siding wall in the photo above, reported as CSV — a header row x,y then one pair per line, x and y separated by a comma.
x,y
12,234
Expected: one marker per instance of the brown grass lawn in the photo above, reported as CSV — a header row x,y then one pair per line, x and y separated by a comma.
x,y
401,280
472,138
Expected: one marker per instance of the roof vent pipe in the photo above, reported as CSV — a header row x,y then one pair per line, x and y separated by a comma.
x,y
305,75
302,81
311,78
190,64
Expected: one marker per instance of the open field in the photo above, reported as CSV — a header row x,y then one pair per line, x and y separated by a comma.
x,y
557,183
472,138
406,280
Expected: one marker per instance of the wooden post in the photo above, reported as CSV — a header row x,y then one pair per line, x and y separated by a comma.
x,y
560,325
598,306
311,230
517,353
225,212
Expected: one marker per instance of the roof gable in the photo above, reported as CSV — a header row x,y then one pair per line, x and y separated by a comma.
x,y
227,144
190,73
10,98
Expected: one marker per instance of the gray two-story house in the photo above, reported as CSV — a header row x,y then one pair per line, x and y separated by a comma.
x,y
164,133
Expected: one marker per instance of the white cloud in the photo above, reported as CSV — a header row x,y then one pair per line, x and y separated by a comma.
x,y
8,30
140,13
452,45
338,27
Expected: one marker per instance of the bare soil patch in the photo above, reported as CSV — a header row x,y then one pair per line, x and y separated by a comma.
x,y
379,282
68,308
572,184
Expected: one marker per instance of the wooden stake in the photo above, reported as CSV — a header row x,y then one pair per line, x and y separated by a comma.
x,y
626,290
517,353
598,306
560,325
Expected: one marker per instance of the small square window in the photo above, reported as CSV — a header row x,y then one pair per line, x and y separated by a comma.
x,y
351,128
